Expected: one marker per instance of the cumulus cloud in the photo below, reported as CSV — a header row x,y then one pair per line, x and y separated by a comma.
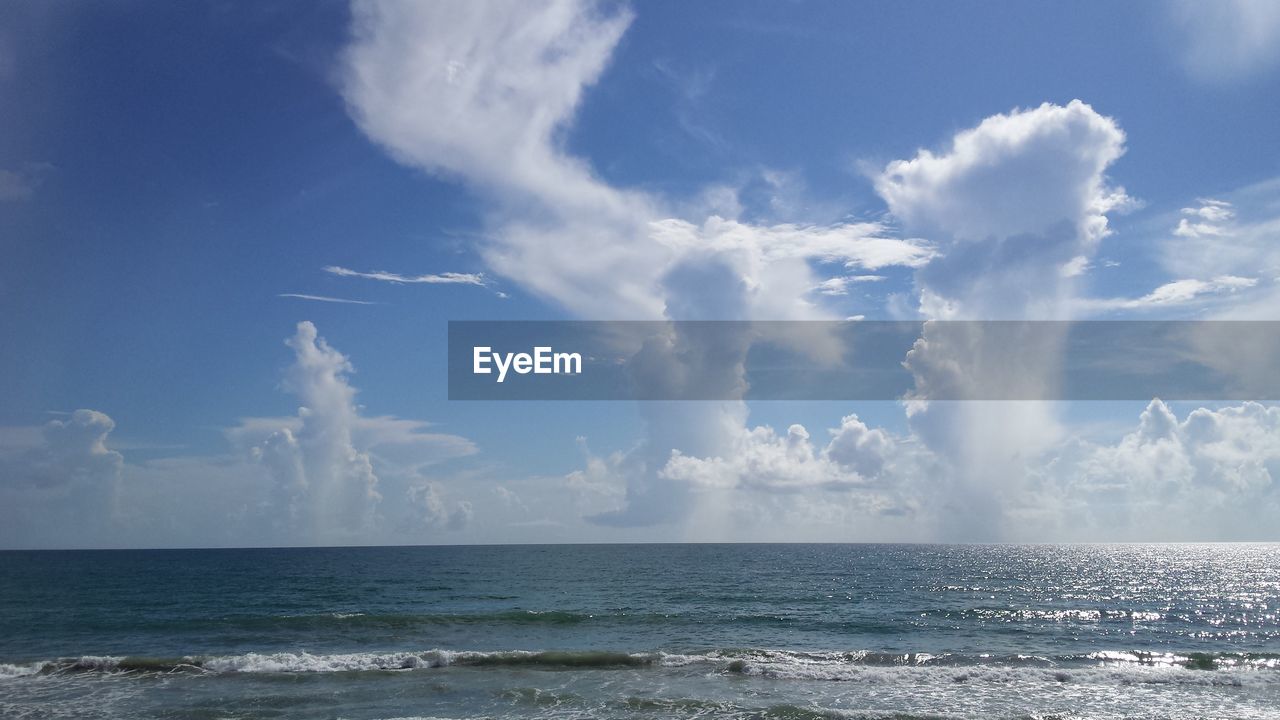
x,y
60,478
855,458
325,461
316,477
1016,206
1212,475
396,444
328,487
1228,40
431,510
1010,202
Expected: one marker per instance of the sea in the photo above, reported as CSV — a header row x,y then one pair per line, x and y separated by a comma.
x,y
644,631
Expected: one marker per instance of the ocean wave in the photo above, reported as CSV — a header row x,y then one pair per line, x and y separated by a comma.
x,y
1125,667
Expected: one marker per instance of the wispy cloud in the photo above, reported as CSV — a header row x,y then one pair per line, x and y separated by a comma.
x,y
20,184
1178,292
1229,40
448,278
840,285
323,298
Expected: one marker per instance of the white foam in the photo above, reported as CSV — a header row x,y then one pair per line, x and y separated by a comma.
x,y
14,671
342,662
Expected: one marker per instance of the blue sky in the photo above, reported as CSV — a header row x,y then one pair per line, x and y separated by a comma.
x,y
169,173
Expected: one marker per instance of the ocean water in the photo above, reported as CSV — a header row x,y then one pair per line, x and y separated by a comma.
x,y
644,631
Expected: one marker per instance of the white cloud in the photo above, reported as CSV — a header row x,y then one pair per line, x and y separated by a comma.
x,y
1227,40
1230,236
327,487
313,478
1213,475
482,91
479,89
855,458
448,278
431,510
1209,210
765,272
324,298
1010,216
1011,203
399,444
1016,207
837,286
1178,292
59,484
600,478
858,245
1076,266
1014,174
330,463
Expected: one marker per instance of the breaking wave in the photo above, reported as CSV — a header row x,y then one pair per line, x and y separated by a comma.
x,y
1124,667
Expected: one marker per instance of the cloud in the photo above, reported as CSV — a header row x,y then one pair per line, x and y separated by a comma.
x,y
1014,174
857,245
484,92
398,444
1178,292
326,487
1076,266
840,285
1206,219
61,479
479,89
330,464
855,458
20,185
1016,207
481,92
430,509
74,450
322,298
449,278
1213,475
1002,223
317,477
1227,40
1232,235
1010,204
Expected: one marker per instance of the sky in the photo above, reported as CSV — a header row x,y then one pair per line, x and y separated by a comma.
x,y
232,236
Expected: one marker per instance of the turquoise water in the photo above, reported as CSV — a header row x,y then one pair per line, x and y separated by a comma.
x,y
644,631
